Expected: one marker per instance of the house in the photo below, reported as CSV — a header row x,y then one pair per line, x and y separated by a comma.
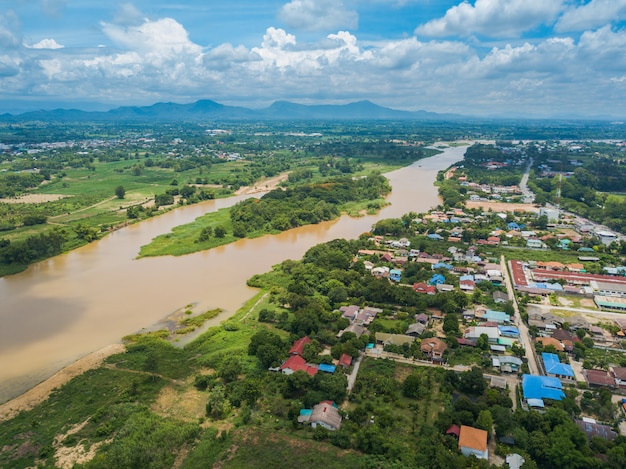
x,y
467,285
591,428
356,329
554,367
393,339
620,375
537,388
345,360
297,363
506,363
349,312
535,244
325,414
500,297
599,378
298,346
423,288
395,275
437,279
474,333
433,348
473,441
422,318
415,330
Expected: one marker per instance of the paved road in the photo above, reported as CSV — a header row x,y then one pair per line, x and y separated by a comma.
x,y
523,330
355,372
526,192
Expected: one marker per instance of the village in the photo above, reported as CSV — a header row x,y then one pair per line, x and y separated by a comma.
x,y
535,328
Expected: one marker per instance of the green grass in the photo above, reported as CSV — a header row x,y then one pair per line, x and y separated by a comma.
x,y
29,436
182,239
280,450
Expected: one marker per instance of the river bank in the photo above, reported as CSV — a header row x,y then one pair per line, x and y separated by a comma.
x,y
41,392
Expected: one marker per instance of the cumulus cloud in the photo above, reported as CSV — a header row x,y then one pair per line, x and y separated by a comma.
x,y
155,60
165,37
46,44
318,15
591,15
493,18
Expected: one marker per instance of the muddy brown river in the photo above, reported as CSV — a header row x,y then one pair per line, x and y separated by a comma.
x,y
68,306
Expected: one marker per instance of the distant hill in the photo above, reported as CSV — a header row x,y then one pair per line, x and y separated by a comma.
x,y
207,109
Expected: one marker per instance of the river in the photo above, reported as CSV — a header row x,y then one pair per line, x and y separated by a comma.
x,y
73,304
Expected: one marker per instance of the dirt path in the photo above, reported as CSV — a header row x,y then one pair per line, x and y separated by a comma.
x,y
42,391
253,307
263,185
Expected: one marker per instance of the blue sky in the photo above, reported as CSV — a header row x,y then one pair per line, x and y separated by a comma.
x,y
533,58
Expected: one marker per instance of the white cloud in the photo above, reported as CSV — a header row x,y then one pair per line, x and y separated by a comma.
x,y
492,18
318,15
591,15
157,61
46,44
164,38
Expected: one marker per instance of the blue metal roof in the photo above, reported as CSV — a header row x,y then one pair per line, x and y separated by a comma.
x,y
327,368
509,330
542,387
554,366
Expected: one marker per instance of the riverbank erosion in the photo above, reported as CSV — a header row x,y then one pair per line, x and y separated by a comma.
x,y
73,304
41,392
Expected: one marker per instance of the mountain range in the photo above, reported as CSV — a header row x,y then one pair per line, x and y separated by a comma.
x,y
207,109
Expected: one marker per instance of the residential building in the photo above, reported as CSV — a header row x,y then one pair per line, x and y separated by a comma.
x,y
473,441
326,414
554,367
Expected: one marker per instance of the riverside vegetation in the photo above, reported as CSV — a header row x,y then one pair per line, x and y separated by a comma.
x,y
78,183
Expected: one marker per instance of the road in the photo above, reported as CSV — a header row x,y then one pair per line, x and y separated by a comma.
x,y
523,330
526,192
355,372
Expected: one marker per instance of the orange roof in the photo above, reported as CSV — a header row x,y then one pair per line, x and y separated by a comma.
x,y
473,438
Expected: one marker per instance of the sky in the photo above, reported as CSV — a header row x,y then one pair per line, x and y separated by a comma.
x,y
526,58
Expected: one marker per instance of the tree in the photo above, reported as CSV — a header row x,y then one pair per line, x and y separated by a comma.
x,y
218,406
120,192
230,369
411,386
485,421
219,231
205,234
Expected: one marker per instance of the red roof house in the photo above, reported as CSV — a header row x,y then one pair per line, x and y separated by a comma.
x,y
297,363
298,346
345,360
424,288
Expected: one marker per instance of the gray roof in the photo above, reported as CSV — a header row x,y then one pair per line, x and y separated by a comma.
x,y
327,414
